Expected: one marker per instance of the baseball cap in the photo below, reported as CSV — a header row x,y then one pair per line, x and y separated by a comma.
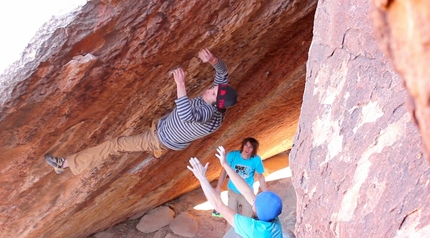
x,y
226,96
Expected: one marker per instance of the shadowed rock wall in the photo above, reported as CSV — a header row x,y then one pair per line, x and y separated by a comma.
x,y
102,72
357,161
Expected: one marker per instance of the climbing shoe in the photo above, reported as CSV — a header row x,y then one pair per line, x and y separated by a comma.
x,y
55,162
216,214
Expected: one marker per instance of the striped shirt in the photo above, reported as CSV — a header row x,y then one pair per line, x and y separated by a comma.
x,y
192,119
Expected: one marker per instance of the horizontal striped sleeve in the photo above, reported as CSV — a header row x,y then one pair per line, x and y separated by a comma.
x,y
221,73
197,113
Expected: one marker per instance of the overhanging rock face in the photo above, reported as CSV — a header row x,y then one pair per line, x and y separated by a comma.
x,y
102,72
357,160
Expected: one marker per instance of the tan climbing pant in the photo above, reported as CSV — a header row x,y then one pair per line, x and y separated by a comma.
x,y
238,203
91,157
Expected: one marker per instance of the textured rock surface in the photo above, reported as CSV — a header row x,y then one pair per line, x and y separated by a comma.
x,y
102,72
403,32
184,225
155,219
357,161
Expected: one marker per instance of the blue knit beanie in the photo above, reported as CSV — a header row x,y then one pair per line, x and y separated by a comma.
x,y
268,205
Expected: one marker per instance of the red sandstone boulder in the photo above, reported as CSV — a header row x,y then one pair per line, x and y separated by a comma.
x,y
103,72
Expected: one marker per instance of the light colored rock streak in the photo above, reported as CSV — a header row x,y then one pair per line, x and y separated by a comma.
x,y
326,129
386,138
141,165
369,113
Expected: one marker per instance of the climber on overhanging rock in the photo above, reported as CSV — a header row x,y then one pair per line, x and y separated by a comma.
x,y
267,205
190,120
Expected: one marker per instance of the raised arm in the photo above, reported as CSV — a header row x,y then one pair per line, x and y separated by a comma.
x,y
238,181
213,197
179,76
221,72
185,111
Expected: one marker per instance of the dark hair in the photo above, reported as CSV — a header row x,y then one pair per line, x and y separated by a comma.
x,y
254,144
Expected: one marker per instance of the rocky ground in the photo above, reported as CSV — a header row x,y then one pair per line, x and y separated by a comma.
x,y
208,226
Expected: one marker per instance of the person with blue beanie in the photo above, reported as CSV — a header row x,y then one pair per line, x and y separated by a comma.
x,y
267,205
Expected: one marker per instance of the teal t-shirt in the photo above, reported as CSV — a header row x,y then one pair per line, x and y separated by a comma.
x,y
251,228
246,168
